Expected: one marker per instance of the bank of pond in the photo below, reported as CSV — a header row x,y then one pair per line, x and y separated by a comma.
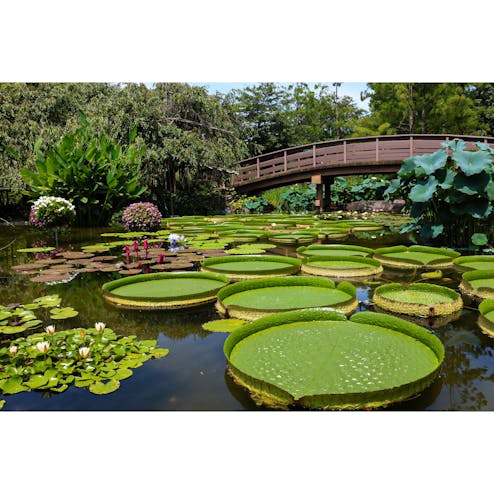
x,y
244,312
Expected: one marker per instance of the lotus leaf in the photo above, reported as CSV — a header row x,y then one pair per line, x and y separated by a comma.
x,y
472,163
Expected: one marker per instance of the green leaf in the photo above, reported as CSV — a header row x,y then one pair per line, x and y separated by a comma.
x,y
36,381
158,353
122,373
479,239
473,162
4,315
423,192
223,325
430,230
100,388
2,403
63,313
431,162
13,385
471,185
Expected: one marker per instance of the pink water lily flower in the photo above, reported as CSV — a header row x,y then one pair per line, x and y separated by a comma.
x,y
43,346
50,330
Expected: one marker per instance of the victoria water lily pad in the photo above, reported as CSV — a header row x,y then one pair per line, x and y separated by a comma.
x,y
315,358
164,290
486,318
468,263
256,298
341,266
478,284
334,250
418,299
416,256
223,325
247,267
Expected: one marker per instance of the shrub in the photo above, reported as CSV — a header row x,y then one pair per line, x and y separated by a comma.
x,y
97,174
141,216
50,211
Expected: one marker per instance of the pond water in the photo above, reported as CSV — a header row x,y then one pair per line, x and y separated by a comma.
x,y
193,376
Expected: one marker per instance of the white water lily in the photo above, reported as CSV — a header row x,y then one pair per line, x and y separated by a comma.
x,y
13,350
84,351
43,346
100,326
50,330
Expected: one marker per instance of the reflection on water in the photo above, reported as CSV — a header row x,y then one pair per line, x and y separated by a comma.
x,y
193,376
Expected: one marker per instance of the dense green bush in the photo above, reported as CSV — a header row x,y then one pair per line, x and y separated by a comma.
x,y
94,172
345,190
449,193
298,199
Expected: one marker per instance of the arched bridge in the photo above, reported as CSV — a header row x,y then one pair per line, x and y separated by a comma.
x,y
320,162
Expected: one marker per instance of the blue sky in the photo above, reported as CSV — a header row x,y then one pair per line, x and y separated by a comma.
x,y
352,89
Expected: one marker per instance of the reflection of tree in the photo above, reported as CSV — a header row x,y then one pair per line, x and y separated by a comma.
x,y
461,375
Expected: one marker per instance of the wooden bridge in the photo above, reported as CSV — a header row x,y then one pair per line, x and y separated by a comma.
x,y
320,162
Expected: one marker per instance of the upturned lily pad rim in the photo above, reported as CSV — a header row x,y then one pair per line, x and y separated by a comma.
x,y
381,299
172,299
485,322
277,397
370,267
291,264
311,250
461,261
480,292
250,313
445,256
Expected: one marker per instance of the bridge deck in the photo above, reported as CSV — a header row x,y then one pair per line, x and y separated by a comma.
x,y
354,156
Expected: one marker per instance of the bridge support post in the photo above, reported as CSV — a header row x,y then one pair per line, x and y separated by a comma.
x,y
328,182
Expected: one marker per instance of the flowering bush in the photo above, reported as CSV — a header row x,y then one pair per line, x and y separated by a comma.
x,y
141,217
51,211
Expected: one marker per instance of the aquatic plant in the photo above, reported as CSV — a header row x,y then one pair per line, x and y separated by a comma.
x,y
416,256
93,358
449,192
316,358
341,266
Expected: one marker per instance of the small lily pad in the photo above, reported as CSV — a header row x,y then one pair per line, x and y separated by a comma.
x,y
13,385
63,313
36,249
223,325
2,403
101,388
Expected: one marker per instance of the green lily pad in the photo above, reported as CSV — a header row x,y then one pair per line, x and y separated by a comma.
x,y
159,352
37,381
223,325
36,250
63,313
13,385
101,388
2,403
48,301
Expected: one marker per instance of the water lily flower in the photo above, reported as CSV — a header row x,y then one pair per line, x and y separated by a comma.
x,y
84,351
43,346
136,246
145,244
100,327
160,259
13,350
127,253
50,330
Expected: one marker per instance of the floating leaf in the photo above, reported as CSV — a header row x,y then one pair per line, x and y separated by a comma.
x,y
63,313
159,352
48,301
37,249
101,388
223,325
2,403
479,239
36,381
13,385
122,373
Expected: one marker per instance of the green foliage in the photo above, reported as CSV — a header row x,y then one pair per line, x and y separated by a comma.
x,y
93,171
449,193
298,198
359,188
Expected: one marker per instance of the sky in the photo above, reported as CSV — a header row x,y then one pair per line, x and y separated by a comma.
x,y
352,89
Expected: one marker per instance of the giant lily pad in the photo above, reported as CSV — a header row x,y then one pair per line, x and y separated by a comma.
x,y
341,266
486,318
334,250
164,290
315,358
256,298
241,267
468,263
415,257
478,284
292,238
418,299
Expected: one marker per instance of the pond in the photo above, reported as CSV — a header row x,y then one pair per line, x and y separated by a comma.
x,y
193,376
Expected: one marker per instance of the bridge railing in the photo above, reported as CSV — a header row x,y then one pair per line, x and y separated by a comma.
x,y
342,152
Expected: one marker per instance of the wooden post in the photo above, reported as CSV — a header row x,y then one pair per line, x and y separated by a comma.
x,y
377,149
258,169
328,182
344,151
319,198
285,161
313,155
411,146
